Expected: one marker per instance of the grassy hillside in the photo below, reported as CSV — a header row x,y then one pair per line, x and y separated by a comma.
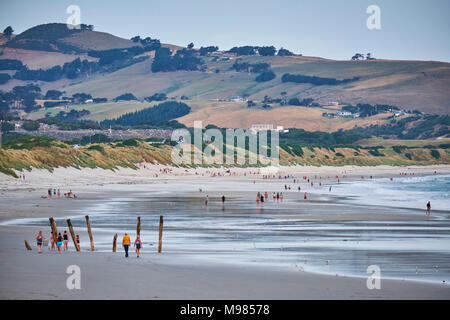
x,y
420,85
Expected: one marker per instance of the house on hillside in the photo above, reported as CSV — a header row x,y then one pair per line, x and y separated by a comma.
x,y
344,114
255,128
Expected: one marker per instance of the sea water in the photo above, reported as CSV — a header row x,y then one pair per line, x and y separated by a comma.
x,y
281,235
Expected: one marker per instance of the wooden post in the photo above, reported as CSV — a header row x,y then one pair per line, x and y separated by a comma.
x,y
90,232
69,224
27,245
138,228
114,242
160,233
54,230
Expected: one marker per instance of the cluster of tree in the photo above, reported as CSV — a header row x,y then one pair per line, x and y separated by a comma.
x,y
156,97
72,115
319,138
284,52
367,110
244,50
297,102
52,104
153,116
239,66
413,127
30,125
53,94
185,59
8,32
266,75
263,51
72,125
299,78
148,43
26,96
4,78
125,97
107,57
10,64
204,51
360,56
69,70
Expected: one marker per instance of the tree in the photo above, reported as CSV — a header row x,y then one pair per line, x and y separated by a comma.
x,y
267,51
284,52
190,45
358,56
53,94
369,56
30,125
266,75
6,126
136,39
8,32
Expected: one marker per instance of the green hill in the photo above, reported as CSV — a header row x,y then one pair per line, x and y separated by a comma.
x,y
414,85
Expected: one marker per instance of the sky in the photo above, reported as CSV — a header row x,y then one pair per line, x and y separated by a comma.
x,y
335,29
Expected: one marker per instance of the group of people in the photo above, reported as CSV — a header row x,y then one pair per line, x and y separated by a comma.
x,y
126,241
56,193
61,242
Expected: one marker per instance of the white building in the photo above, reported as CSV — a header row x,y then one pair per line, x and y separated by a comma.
x,y
344,114
255,128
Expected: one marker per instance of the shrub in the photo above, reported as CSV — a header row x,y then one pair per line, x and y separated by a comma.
x,y
30,125
97,148
435,154
266,76
376,153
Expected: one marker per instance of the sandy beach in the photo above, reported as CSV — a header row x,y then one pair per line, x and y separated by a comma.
x,y
186,270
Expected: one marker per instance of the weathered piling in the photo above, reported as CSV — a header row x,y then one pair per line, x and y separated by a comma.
x,y
27,245
160,234
138,228
114,243
90,232
72,233
54,230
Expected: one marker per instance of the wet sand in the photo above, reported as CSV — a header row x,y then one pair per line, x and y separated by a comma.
x,y
172,274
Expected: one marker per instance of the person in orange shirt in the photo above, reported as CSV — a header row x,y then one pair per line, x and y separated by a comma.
x,y
126,244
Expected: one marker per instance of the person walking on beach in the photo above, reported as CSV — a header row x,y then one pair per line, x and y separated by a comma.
x,y
39,239
66,240
223,200
52,242
428,208
59,243
138,244
126,244
206,200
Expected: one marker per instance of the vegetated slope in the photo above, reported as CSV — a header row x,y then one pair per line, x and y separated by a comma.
x,y
52,153
419,85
